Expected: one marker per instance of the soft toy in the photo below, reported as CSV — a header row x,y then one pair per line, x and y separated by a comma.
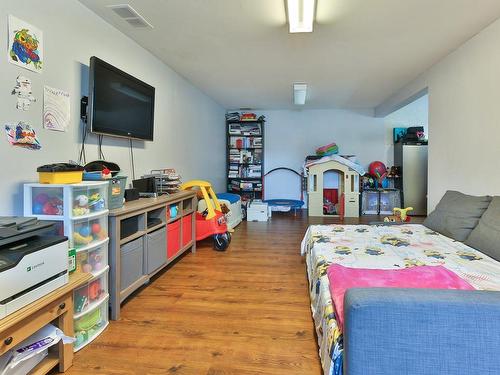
x,y
81,205
54,206
400,215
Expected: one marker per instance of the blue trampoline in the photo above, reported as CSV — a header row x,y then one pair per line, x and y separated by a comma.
x,y
285,204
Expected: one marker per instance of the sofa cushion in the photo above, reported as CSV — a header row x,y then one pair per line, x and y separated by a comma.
x,y
486,235
457,214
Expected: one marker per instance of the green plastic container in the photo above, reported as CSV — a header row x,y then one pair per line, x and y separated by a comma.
x,y
116,189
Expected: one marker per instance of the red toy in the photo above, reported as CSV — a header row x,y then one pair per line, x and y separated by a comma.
x,y
211,222
378,170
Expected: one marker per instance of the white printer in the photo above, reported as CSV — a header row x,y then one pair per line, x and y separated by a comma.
x,y
32,263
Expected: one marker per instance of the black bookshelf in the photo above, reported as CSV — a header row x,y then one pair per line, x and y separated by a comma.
x,y
245,158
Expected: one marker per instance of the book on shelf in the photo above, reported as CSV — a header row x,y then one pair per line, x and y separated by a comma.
x,y
245,142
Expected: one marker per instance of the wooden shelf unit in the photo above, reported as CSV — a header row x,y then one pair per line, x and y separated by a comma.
x,y
246,146
56,308
139,211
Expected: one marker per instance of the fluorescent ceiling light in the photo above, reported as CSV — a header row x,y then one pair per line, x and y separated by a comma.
x,y
299,93
300,15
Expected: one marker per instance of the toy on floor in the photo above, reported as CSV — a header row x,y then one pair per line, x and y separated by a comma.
x,y
212,221
400,215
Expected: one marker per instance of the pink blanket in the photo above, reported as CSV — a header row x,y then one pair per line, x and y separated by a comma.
x,y
431,277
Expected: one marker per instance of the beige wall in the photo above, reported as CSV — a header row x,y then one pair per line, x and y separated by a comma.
x,y
464,117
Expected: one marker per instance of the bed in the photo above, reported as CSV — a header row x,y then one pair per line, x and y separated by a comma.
x,y
380,247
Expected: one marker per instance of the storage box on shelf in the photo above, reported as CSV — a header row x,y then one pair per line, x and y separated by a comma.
x,y
145,236
80,212
380,201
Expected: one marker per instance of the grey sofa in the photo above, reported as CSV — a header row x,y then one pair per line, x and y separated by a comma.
x,y
420,331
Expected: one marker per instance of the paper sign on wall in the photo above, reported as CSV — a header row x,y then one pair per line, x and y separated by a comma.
x,y
56,109
25,46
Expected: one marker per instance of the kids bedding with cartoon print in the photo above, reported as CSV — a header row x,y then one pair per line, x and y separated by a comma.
x,y
380,248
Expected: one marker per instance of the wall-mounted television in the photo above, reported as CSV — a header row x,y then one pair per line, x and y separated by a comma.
x,y
120,105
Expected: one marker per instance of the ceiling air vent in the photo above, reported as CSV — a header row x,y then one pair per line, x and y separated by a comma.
x,y
130,15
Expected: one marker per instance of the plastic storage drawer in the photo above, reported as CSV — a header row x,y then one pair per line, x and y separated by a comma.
x,y
173,238
68,201
91,324
370,202
187,229
132,259
154,251
389,199
92,259
91,294
87,231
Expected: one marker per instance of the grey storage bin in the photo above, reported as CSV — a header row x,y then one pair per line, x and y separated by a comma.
x,y
132,255
155,251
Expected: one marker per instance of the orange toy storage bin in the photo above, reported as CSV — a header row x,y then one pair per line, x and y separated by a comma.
x,y
173,238
187,229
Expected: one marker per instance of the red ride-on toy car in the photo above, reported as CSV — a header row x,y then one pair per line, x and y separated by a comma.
x,y
210,222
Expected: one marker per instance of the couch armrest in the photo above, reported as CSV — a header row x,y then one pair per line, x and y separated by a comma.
x,y
421,331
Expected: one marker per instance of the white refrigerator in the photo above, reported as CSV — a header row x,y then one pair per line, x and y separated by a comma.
x,y
411,158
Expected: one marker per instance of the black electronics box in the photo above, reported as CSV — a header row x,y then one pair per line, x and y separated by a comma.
x,y
145,186
131,195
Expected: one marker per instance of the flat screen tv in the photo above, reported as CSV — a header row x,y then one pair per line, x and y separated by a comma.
x,y
120,105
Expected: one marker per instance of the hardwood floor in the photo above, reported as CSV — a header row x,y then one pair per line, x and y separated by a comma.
x,y
243,311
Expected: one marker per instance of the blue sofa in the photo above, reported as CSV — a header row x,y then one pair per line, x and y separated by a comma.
x,y
421,332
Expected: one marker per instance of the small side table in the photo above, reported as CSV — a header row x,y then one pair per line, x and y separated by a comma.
x,y
56,308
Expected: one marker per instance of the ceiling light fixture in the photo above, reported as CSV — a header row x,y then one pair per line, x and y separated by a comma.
x,y
300,15
299,93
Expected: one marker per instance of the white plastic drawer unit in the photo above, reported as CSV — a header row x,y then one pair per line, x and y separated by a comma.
x,y
92,259
155,250
91,324
53,201
132,261
91,294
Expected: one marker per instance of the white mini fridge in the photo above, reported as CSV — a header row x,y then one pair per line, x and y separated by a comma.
x,y
411,158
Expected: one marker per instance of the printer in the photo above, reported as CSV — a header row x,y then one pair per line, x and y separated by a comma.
x,y
33,262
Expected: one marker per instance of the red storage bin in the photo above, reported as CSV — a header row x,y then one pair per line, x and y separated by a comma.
x,y
187,229
173,238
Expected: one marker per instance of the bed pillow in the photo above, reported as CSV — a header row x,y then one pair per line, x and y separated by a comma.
x,y
457,214
486,236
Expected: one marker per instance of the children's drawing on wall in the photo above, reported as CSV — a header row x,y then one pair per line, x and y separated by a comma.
x,y
22,135
56,109
23,92
25,46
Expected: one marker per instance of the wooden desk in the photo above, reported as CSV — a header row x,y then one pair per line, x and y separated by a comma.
x,y
138,212
56,308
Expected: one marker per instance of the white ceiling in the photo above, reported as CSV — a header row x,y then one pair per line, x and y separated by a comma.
x,y
240,53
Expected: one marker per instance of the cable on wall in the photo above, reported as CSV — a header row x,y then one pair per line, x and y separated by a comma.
x,y
82,157
99,147
132,159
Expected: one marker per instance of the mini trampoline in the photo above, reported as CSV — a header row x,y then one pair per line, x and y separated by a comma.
x,y
284,204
